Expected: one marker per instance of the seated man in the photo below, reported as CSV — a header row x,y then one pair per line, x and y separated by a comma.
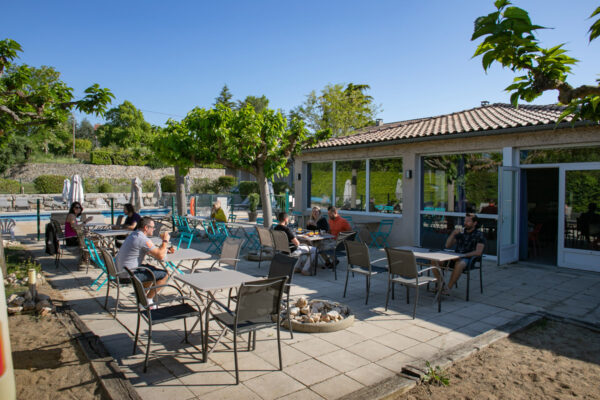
x,y
337,223
134,250
132,219
469,243
296,248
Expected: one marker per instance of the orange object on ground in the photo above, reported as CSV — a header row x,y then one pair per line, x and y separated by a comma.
x,y
193,206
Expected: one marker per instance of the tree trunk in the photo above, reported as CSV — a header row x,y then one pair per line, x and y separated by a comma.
x,y
264,197
180,192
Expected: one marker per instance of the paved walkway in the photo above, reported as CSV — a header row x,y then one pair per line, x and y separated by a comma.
x,y
327,365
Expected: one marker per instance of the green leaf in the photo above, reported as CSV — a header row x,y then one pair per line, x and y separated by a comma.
x,y
517,13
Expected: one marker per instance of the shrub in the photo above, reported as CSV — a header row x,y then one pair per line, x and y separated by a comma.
x,y
167,183
247,187
279,187
253,203
105,187
9,186
83,145
148,186
101,157
49,183
85,157
226,182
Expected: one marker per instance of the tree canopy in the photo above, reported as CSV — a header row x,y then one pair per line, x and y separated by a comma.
x,y
509,39
125,127
36,96
338,108
225,97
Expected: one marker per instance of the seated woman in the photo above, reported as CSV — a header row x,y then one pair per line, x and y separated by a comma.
x,y
71,224
317,222
217,212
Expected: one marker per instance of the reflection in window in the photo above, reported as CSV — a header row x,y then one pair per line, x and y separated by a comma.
x,y
553,156
582,216
435,229
350,178
461,183
385,185
320,184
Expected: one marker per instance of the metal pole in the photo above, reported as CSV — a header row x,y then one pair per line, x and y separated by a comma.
x,y
38,219
195,204
173,215
112,210
73,115
287,200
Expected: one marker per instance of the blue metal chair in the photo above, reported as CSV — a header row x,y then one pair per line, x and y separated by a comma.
x,y
383,231
187,237
98,261
216,233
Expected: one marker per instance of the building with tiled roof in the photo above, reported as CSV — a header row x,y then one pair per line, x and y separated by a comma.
x,y
426,174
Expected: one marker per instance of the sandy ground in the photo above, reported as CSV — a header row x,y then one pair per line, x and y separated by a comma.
x,y
48,363
550,360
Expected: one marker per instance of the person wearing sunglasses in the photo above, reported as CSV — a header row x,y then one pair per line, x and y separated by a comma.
x,y
71,224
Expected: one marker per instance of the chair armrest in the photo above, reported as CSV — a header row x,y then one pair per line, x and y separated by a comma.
x,y
151,273
379,259
180,298
166,285
430,268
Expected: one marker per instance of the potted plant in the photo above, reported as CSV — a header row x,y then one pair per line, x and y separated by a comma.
x,y
252,206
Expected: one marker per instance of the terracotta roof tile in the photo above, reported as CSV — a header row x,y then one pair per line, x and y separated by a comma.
x,y
485,118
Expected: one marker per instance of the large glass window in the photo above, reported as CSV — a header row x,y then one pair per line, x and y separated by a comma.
x,y
385,185
435,229
350,184
582,216
461,183
554,156
320,184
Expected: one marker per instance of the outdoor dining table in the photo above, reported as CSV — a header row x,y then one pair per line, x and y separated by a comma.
x,y
440,257
108,236
316,240
205,284
237,229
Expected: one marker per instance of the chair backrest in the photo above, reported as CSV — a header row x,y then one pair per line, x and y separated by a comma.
x,y
280,241
345,235
57,229
230,251
264,236
94,256
401,262
282,265
358,254
221,228
385,225
140,294
120,219
109,262
259,299
7,225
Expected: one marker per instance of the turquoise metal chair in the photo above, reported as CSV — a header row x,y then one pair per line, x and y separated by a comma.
x,y
383,231
99,262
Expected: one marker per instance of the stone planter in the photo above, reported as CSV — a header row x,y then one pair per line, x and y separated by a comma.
x,y
314,316
252,216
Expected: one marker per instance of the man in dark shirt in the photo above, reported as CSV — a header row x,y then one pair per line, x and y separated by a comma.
x,y
132,219
469,243
296,248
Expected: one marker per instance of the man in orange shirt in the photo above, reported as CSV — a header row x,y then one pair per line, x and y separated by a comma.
x,y
337,223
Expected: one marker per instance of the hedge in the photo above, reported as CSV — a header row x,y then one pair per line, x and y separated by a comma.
x,y
279,187
226,182
83,145
49,183
167,183
9,186
101,157
247,187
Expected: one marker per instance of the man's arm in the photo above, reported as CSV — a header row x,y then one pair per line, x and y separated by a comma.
x,y
451,239
477,252
296,242
161,251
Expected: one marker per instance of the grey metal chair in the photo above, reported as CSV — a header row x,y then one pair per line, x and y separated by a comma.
x,y
161,314
339,246
258,308
266,241
359,262
283,266
114,277
230,254
403,270
7,226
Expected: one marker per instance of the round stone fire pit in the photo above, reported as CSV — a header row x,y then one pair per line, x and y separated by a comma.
x,y
315,316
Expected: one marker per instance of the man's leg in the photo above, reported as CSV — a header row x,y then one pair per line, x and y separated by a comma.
x,y
456,272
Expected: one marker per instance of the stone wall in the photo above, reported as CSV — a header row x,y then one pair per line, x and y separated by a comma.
x,y
92,200
28,172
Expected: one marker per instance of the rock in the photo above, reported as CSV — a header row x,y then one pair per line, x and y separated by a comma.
x,y
17,301
333,314
305,310
29,305
302,302
12,298
28,296
294,311
42,296
14,310
305,318
43,304
45,311
326,318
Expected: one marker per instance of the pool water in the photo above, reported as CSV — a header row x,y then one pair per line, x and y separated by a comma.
x,y
105,213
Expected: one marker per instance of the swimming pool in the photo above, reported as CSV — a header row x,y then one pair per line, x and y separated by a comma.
x,y
45,216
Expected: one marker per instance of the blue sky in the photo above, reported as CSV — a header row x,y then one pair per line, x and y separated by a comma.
x,y
169,57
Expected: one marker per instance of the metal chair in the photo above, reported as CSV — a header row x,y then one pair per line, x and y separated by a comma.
x,y
7,226
340,248
97,261
283,266
161,314
359,262
266,241
471,266
230,254
281,244
114,276
403,270
258,307
383,231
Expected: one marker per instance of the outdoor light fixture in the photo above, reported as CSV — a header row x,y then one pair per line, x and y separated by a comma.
x,y
299,176
408,174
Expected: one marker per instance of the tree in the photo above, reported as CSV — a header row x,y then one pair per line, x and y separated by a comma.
x,y
257,142
343,110
125,128
225,97
26,99
85,130
259,103
509,39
